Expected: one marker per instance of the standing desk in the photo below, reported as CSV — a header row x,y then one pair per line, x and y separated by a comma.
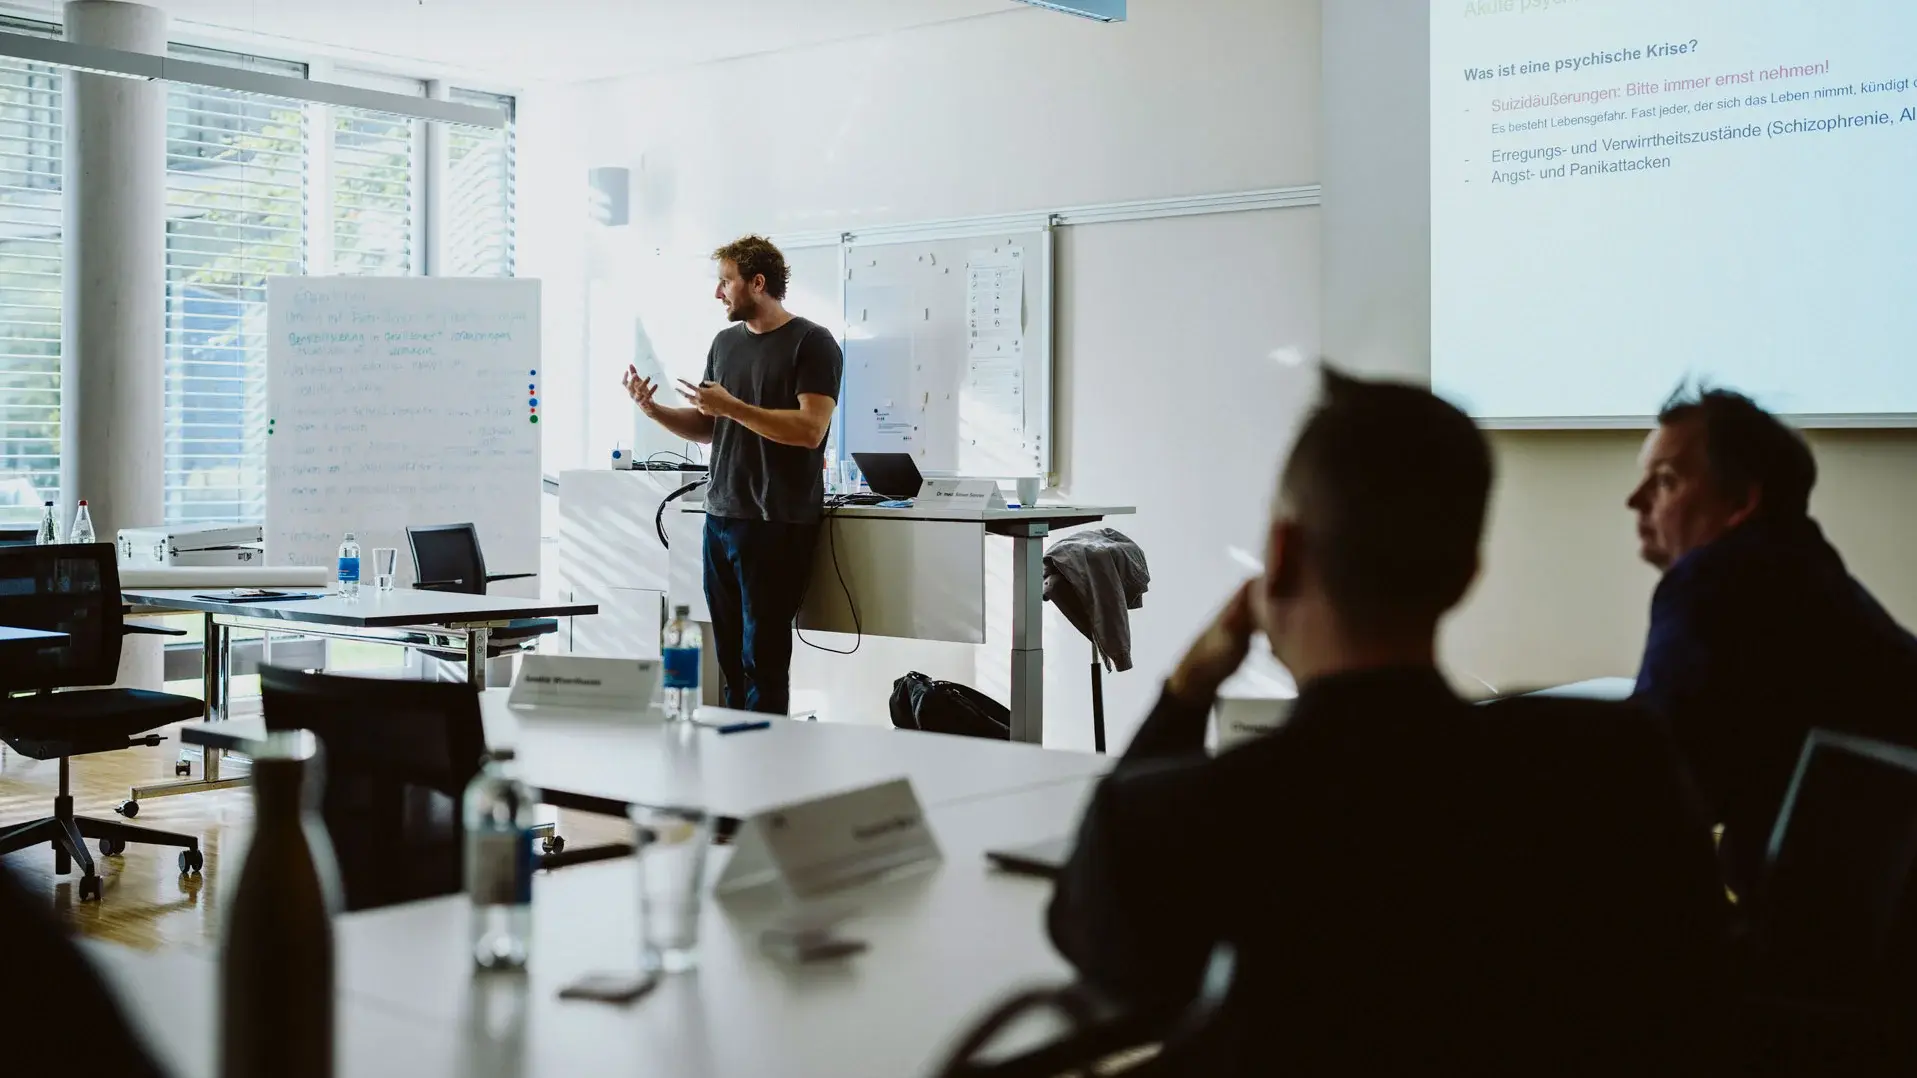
x,y
917,573
604,761
945,945
405,617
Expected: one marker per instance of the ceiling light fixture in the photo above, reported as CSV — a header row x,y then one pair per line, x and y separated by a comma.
x,y
1101,10
95,60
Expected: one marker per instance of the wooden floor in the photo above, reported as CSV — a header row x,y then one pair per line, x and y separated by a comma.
x,y
146,902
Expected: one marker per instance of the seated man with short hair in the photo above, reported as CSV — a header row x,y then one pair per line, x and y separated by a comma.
x,y
1758,632
1412,885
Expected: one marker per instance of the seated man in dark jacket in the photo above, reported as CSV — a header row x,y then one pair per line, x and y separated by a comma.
x,y
1758,633
1413,885
60,1017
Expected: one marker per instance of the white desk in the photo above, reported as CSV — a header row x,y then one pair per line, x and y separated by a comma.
x,y
918,574
401,616
944,946
603,761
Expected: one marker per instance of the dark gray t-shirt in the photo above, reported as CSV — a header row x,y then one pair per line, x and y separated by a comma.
x,y
754,478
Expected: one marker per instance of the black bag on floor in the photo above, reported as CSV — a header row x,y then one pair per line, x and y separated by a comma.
x,y
946,707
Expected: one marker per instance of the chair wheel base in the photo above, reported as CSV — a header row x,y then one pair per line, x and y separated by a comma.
x,y
129,809
112,847
191,862
553,844
89,888
182,768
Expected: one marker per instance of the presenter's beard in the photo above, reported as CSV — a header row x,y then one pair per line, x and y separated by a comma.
x,y
740,313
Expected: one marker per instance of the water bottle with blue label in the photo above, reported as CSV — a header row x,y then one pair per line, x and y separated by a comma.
x,y
680,648
349,566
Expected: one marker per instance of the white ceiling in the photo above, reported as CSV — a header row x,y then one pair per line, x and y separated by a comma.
x,y
512,43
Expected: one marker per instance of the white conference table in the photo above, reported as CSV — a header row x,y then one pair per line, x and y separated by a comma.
x,y
944,946
606,760
402,616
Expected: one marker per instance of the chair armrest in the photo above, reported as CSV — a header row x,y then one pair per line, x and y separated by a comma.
x,y
494,578
149,630
439,585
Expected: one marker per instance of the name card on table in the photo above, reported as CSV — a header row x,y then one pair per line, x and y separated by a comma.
x,y
1242,719
960,494
583,681
809,848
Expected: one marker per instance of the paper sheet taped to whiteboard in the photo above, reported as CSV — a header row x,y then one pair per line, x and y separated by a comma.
x,y
402,400
993,408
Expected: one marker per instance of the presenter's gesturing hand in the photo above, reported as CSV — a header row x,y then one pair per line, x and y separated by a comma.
x,y
710,398
641,390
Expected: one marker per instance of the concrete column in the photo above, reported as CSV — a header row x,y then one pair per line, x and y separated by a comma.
x,y
111,371
112,383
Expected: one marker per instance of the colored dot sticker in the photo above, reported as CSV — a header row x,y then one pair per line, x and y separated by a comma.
x,y
530,387
535,402
532,374
535,419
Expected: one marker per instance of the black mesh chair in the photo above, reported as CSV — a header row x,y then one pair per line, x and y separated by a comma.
x,y
1833,954
75,589
395,757
447,557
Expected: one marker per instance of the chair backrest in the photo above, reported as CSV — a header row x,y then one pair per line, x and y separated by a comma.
x,y
443,553
396,757
72,588
1837,909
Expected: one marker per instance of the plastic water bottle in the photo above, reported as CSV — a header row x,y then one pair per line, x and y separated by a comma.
x,y
82,525
499,862
49,533
680,648
349,566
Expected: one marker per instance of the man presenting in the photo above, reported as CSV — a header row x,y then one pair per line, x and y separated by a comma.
x,y
765,406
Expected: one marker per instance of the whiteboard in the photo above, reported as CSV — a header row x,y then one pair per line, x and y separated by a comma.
x,y
948,353
396,401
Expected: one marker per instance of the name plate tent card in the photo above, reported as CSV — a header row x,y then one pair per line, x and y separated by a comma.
x,y
580,681
810,848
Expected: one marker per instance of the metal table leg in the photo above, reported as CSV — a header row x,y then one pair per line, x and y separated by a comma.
x,y
216,684
476,641
1028,634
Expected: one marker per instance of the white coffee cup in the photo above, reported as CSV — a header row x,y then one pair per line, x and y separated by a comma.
x,y
1028,491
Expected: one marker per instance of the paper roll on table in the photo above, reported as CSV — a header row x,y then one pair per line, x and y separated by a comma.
x,y
238,576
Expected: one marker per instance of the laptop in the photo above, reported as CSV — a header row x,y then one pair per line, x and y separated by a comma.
x,y
895,475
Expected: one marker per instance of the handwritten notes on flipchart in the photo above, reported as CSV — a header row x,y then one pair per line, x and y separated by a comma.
x,y
398,401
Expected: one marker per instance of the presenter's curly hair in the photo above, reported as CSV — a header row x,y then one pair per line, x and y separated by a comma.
x,y
755,255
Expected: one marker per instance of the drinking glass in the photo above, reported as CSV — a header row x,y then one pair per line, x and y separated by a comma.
x,y
385,564
672,846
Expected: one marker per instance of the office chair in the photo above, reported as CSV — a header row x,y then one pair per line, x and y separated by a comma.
x,y
395,759
1103,1037
1834,936
75,589
447,557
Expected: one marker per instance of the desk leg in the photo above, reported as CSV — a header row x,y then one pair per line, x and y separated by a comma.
x,y
1028,635
216,684
476,641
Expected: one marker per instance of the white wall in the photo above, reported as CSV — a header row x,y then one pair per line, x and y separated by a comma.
x,y
1167,395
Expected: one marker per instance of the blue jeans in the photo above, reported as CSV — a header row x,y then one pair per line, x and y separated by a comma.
x,y
756,575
